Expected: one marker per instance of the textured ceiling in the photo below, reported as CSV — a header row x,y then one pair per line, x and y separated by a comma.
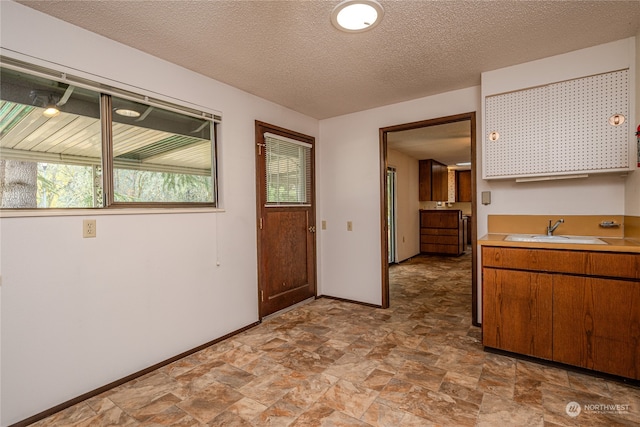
x,y
447,143
288,51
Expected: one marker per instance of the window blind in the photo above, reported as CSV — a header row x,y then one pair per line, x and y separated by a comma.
x,y
288,170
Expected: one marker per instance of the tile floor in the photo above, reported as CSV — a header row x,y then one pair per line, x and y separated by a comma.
x,y
332,363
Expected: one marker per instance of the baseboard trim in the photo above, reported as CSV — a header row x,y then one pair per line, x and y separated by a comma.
x,y
47,413
351,301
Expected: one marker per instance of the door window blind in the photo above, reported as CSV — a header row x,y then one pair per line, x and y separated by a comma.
x,y
288,170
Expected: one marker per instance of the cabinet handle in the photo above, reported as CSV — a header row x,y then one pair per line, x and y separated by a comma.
x,y
609,224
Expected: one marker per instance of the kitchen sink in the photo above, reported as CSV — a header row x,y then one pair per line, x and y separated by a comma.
x,y
543,238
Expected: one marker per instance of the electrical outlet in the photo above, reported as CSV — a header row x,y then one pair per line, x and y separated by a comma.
x,y
349,226
88,228
324,224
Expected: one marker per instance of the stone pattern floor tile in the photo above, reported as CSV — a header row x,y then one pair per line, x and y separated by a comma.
x,y
333,363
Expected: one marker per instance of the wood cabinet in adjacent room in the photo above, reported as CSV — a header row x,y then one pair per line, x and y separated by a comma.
x,y
463,186
433,184
442,232
577,307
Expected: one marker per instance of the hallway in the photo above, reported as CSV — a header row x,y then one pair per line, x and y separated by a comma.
x,y
333,363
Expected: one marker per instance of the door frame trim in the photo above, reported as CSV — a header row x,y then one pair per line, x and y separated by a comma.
x,y
471,117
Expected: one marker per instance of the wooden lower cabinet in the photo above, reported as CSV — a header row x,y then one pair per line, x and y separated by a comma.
x,y
442,232
596,324
540,303
518,312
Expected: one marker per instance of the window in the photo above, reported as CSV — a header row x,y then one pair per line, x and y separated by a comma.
x,y
48,160
288,169
160,155
97,149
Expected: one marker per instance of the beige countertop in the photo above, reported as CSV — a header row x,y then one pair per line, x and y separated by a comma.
x,y
613,244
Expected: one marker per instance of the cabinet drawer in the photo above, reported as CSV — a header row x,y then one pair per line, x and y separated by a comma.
x,y
439,231
439,248
440,219
442,240
602,264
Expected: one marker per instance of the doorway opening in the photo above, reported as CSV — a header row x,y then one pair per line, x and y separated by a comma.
x,y
386,135
391,215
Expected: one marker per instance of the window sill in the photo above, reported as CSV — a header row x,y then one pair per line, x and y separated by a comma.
x,y
22,213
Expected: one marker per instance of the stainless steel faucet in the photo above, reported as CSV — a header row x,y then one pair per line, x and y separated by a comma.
x,y
552,228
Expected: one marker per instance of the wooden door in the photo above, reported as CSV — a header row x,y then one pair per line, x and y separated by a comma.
x,y
286,217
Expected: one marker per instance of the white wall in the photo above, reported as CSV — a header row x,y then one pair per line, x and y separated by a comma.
x,y
632,195
407,204
349,189
80,313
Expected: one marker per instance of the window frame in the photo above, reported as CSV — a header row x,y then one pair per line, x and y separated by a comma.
x,y
106,92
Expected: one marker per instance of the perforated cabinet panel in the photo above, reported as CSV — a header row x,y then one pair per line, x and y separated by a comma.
x,y
520,120
581,138
559,128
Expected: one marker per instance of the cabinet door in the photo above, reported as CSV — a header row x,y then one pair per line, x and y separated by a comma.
x,y
433,181
439,183
517,311
596,324
463,186
580,137
424,183
519,118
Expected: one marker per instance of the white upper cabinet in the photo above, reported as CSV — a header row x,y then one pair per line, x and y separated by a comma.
x,y
571,127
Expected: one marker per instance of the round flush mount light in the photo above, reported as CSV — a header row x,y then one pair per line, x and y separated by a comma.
x,y
127,113
51,111
354,16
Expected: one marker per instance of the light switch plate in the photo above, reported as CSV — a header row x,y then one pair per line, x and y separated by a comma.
x,y
349,226
486,197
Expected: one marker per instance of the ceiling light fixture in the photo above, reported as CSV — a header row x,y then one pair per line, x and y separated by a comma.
x,y
48,101
354,16
127,113
463,164
51,111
